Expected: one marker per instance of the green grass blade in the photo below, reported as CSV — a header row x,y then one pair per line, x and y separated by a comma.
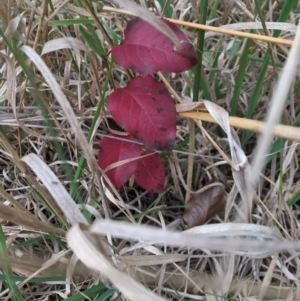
x,y
13,288
294,198
165,5
240,78
212,15
79,21
106,295
34,279
200,47
284,14
265,29
95,45
89,293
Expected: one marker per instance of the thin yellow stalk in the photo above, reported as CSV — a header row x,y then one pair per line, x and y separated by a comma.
x,y
282,131
212,28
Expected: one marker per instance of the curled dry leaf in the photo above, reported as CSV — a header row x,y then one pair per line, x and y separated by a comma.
x,y
241,169
204,205
189,106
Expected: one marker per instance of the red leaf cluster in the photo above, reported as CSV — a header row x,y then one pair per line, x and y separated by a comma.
x,y
144,108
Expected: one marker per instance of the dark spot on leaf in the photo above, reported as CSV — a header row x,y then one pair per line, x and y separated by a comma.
x,y
159,110
139,139
162,91
163,129
131,23
153,45
159,187
157,145
169,144
153,98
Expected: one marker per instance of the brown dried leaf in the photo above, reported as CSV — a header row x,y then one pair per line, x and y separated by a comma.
x,y
205,204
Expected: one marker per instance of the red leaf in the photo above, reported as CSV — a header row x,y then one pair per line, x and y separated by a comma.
x,y
204,205
146,50
150,172
113,150
145,109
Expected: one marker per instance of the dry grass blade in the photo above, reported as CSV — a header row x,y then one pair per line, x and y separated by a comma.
x,y
277,104
67,42
56,189
148,260
185,240
27,220
11,82
76,45
90,256
146,15
22,166
236,229
12,26
65,105
256,25
268,277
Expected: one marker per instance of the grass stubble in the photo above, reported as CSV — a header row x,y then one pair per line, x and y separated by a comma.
x,y
55,77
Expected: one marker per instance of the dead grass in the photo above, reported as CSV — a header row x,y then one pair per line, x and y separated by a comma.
x,y
54,80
